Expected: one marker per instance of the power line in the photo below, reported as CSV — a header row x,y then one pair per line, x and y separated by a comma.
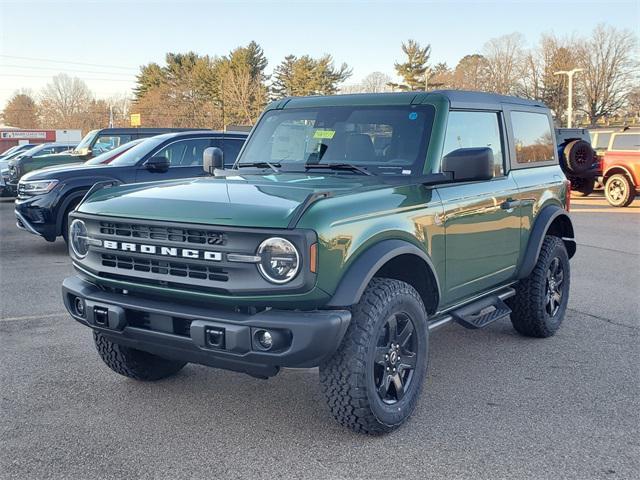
x,y
48,76
70,63
68,70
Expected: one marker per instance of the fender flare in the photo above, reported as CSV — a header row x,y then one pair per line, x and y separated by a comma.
x,y
540,228
364,267
78,194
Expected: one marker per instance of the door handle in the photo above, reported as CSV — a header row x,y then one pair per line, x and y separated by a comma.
x,y
510,204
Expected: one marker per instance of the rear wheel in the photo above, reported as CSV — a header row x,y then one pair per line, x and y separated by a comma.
x,y
134,363
541,299
582,187
619,190
373,382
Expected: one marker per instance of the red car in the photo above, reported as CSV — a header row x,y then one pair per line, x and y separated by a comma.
x,y
621,168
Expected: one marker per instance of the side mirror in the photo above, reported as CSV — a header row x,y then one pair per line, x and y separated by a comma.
x,y
469,164
157,164
212,159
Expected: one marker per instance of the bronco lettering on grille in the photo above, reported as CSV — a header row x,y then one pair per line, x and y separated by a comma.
x,y
166,251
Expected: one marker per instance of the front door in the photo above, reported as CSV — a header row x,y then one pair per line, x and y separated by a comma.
x,y
481,219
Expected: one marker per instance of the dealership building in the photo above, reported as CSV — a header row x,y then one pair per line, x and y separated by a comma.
x,y
10,137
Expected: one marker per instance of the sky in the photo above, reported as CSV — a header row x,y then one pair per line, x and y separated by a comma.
x,y
105,42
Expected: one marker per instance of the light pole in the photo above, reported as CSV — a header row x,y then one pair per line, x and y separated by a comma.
x,y
570,74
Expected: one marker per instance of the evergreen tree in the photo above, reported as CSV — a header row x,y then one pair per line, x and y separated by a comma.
x,y
415,69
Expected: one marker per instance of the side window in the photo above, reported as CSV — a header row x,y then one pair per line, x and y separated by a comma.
x,y
532,137
603,140
185,153
472,130
231,147
104,143
45,151
626,141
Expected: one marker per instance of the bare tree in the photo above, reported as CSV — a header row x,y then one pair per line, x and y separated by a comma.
x,y
539,81
376,82
608,60
64,102
504,58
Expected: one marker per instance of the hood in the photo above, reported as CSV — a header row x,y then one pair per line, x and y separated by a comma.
x,y
48,173
268,201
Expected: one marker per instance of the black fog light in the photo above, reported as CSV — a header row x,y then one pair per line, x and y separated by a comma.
x,y
79,306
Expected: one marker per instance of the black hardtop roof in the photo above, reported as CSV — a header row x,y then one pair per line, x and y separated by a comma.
x,y
456,98
212,133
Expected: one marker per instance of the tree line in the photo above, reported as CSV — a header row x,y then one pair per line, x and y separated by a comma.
x,y
192,90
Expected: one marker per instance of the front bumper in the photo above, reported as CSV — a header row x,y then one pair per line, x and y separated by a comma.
x,y
184,332
36,215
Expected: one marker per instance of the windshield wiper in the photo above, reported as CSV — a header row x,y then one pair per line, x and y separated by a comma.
x,y
272,166
338,166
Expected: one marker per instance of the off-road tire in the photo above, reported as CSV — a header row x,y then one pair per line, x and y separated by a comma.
x,y
582,187
578,156
347,378
65,220
134,363
529,315
625,193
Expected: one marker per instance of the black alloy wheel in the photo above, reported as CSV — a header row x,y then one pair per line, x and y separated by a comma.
x,y
395,359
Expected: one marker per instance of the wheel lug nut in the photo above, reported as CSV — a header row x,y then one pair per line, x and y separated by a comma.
x,y
386,357
388,368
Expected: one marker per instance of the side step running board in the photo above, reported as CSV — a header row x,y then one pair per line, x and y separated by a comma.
x,y
480,313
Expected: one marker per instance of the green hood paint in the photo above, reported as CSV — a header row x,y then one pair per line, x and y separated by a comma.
x,y
263,201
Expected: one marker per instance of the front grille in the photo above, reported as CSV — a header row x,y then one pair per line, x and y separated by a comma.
x,y
163,233
161,267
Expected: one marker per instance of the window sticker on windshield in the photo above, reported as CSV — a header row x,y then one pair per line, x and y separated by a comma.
x,y
413,115
324,134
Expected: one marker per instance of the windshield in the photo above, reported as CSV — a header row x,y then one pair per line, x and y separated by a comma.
x,y
10,150
137,153
86,141
110,155
383,140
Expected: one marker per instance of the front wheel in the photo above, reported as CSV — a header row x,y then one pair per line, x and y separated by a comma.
x,y
133,363
619,190
373,382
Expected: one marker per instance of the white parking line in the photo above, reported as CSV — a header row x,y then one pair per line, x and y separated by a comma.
x,y
32,317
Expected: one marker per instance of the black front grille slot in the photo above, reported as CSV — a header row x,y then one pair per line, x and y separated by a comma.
x,y
162,233
163,267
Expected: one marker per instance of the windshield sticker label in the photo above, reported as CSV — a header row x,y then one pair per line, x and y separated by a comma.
x,y
324,134
413,115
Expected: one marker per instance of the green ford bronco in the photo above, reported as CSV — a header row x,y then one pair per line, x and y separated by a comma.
x,y
349,228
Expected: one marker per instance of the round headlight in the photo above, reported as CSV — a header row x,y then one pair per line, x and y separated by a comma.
x,y
279,260
78,238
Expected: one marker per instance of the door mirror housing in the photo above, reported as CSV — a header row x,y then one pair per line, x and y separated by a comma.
x,y
157,164
469,164
212,160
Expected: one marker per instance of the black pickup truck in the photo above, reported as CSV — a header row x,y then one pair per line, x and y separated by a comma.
x,y
46,196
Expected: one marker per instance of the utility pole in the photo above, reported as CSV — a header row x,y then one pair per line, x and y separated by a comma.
x,y
427,74
569,74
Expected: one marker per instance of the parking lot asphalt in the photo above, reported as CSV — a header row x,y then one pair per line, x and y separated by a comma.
x,y
495,404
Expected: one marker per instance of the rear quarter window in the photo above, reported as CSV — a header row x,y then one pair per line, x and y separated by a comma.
x,y
626,141
532,138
